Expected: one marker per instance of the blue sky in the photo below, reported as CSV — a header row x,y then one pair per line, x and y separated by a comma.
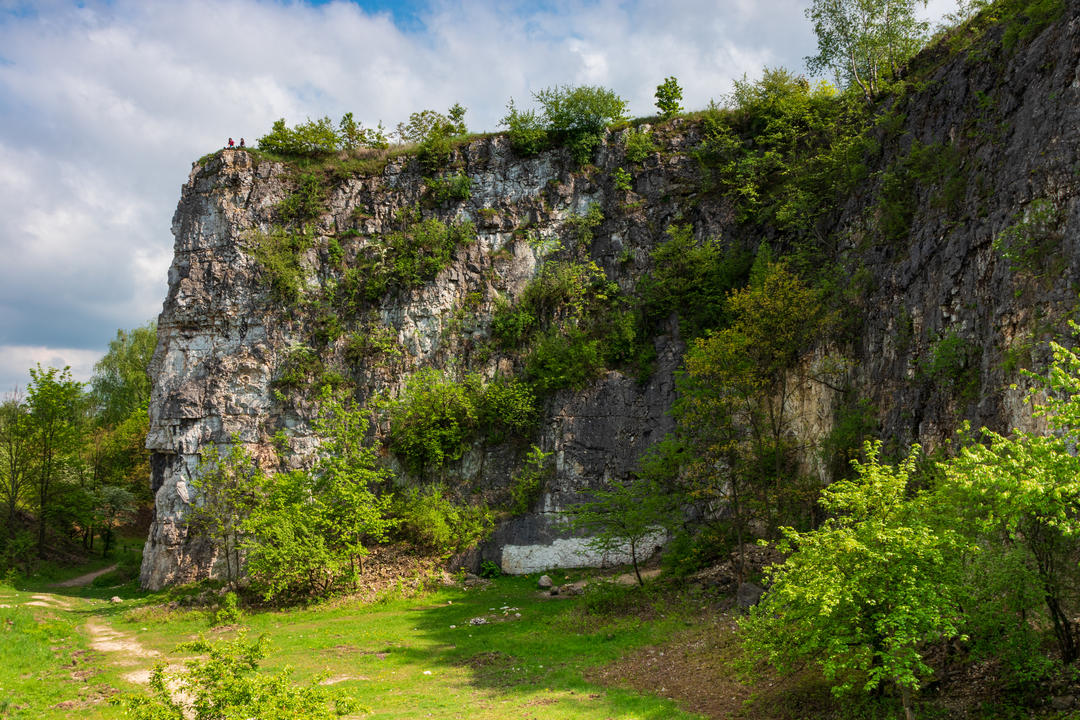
x,y
104,106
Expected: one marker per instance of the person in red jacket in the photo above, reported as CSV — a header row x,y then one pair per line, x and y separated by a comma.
x,y
230,144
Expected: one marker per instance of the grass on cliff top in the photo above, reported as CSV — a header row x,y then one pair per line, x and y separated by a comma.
x,y
401,658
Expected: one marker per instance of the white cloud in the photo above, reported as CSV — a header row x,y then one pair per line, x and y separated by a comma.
x,y
15,360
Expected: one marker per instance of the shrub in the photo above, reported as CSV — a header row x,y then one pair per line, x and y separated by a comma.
x,y
279,254
526,131
229,612
448,187
578,115
490,569
623,180
431,421
300,366
563,358
506,408
1033,238
527,485
431,520
639,144
306,204
224,682
309,139
511,324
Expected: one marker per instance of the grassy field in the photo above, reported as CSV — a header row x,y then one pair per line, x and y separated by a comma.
x,y
65,650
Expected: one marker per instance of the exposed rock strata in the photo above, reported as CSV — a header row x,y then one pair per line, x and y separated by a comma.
x,y
222,337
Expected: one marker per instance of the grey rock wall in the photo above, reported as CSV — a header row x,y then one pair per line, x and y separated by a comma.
x,y
1013,120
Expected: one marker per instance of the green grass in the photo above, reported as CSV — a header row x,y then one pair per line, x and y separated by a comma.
x,y
402,658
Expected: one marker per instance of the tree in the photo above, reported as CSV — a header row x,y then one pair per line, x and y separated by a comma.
x,y
120,384
627,517
15,456
113,506
309,531
226,486
525,129
55,402
668,95
864,594
734,409
1019,500
864,41
352,135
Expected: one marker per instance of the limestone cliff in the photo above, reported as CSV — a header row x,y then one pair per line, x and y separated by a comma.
x,y
1007,122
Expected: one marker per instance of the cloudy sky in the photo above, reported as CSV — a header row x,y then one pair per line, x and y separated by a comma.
x,y
104,105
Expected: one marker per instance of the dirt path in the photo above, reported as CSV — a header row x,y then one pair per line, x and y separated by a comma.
x,y
84,580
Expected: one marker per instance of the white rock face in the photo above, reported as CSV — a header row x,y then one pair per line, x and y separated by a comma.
x,y
571,553
222,337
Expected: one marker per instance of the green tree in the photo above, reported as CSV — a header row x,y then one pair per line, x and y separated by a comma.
x,y
744,377
56,405
309,531
625,518
525,129
113,506
226,486
120,384
864,41
668,96
1019,500
15,456
863,595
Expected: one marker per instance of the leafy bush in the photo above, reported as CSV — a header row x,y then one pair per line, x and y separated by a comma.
x,y
623,180
448,187
563,358
431,421
229,612
353,136
428,518
224,682
1033,238
527,133
527,485
299,368
506,408
639,144
510,323
308,139
279,254
306,204
577,116
373,342
692,279
952,364
490,569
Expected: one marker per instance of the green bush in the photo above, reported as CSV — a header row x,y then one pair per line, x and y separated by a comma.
x,y
428,518
623,180
279,254
506,408
563,358
490,569
299,368
578,116
309,139
952,363
306,203
639,144
223,682
692,279
448,187
526,131
527,484
229,612
1033,239
431,421
510,323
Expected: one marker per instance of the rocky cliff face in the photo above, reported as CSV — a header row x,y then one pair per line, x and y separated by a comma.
x,y
944,317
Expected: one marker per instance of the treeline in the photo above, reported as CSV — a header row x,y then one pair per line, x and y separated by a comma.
x,y
73,463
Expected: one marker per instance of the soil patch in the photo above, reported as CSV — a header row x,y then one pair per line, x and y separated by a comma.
x,y
84,580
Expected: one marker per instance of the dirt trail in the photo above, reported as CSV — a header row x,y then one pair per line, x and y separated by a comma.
x,y
84,580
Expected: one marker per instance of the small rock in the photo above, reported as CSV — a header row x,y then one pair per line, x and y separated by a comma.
x,y
116,599
544,582
554,589
1062,702
478,621
748,595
